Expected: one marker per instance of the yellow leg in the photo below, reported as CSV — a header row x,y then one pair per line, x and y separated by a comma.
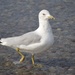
x,y
36,65
22,56
32,59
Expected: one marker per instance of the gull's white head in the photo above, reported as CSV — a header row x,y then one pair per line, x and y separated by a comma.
x,y
45,15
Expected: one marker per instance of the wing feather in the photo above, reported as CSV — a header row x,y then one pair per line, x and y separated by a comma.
x,y
26,39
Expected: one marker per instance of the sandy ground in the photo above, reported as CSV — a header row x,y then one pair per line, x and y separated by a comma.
x,y
20,16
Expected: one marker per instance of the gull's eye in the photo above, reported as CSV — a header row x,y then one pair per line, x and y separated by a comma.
x,y
43,14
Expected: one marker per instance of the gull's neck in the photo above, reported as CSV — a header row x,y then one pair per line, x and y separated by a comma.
x,y
44,26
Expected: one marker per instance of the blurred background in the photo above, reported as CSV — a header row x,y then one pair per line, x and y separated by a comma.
x,y
20,16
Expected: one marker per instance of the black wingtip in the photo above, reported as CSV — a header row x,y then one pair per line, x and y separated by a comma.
x,y
0,40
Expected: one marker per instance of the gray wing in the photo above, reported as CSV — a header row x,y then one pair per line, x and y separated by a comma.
x,y
30,38
26,39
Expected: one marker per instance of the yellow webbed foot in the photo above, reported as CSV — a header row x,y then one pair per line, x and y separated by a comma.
x,y
38,65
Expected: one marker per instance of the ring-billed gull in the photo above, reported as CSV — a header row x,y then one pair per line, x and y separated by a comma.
x,y
35,41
